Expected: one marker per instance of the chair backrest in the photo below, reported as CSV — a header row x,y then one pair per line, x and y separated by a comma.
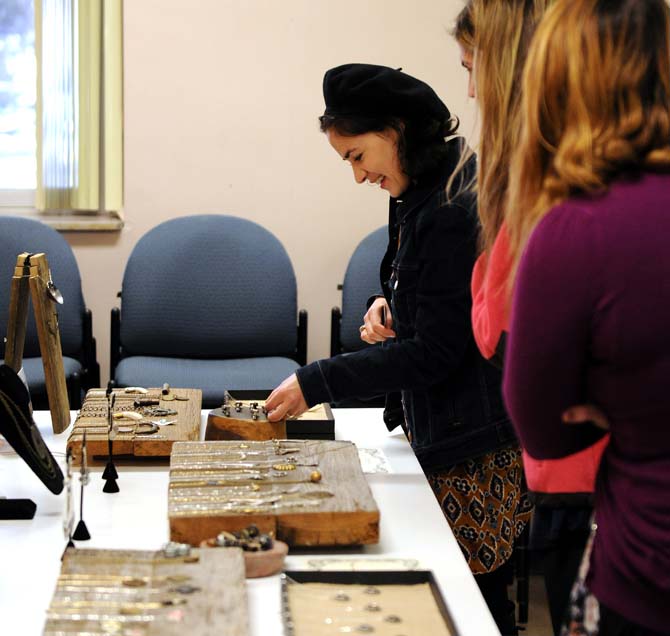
x,y
208,286
361,281
17,235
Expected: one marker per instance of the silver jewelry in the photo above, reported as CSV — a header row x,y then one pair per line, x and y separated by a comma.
x,y
173,549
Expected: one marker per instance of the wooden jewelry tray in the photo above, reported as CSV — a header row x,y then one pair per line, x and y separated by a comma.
x,y
147,593
133,437
305,492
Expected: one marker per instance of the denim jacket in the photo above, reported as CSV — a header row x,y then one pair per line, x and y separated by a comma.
x,y
438,385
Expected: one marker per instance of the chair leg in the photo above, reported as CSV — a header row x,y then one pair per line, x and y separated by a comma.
x,y
115,342
91,375
335,329
522,562
301,350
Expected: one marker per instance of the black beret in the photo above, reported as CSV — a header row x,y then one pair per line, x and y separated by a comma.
x,y
380,91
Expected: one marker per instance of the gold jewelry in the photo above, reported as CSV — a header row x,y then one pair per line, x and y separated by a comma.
x,y
124,604
115,560
128,415
124,579
284,467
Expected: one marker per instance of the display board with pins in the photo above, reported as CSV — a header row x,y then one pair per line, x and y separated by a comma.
x,y
304,492
170,592
135,422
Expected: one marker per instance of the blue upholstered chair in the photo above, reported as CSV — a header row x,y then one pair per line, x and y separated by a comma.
x,y
208,302
17,235
361,280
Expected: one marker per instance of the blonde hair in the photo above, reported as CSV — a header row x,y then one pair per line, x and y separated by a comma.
x,y
503,32
464,28
596,104
459,181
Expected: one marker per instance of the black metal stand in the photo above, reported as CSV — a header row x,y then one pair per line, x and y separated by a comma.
x,y
110,474
81,532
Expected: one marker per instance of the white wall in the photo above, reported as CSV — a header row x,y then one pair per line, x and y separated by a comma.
x,y
221,100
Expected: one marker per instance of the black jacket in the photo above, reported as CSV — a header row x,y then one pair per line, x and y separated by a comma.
x,y
450,395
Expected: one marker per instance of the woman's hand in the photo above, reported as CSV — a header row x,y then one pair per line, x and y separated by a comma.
x,y
286,400
374,329
586,413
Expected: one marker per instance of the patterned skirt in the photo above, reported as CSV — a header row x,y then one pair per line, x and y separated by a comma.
x,y
486,503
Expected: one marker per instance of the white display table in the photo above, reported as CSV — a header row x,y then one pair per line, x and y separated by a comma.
x,y
412,527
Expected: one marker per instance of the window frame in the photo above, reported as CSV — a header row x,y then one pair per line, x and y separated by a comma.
x,y
22,202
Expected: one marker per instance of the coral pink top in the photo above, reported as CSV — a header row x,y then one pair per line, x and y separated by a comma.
x,y
490,321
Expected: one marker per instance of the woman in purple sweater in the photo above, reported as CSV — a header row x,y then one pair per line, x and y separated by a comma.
x,y
589,223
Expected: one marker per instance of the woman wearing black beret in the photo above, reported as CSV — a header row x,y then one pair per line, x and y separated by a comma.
x,y
396,132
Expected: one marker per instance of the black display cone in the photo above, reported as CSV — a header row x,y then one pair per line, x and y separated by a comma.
x,y
81,532
110,486
110,471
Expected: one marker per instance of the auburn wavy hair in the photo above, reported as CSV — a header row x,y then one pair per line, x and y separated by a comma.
x,y
596,105
503,30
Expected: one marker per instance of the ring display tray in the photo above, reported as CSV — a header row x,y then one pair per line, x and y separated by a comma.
x,y
386,603
149,594
139,431
306,492
317,422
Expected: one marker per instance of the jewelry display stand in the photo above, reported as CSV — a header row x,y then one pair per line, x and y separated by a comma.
x,y
135,431
32,279
304,492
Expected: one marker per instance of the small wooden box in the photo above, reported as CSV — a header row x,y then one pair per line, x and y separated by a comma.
x,y
316,423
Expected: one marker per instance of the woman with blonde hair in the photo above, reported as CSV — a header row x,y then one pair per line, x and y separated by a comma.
x,y
589,220
562,490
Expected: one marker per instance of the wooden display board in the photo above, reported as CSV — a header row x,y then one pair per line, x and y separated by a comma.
x,y
306,492
32,279
148,594
128,436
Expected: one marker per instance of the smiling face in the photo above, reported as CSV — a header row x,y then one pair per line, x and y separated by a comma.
x,y
373,157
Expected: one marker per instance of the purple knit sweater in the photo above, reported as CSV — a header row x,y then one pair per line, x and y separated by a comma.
x,y
591,324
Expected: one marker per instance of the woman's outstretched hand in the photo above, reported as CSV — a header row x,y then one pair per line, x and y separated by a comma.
x,y
286,400
375,328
